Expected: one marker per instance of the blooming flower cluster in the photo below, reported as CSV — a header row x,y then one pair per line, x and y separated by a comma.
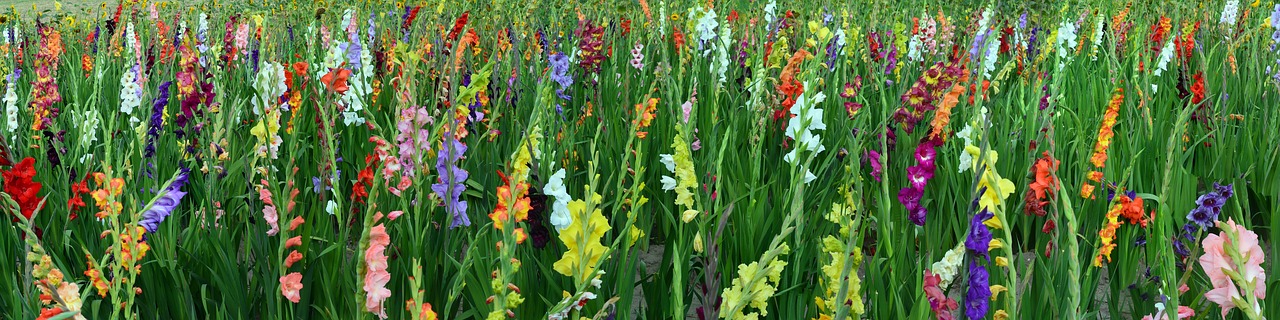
x,y
413,140
561,217
1230,11
375,273
19,184
833,271
1105,133
806,118
744,293
582,237
926,94
1233,261
1209,205
130,93
939,303
680,164
164,203
11,99
1066,39
452,176
1127,205
1205,215
949,267
637,56
590,45
270,84
979,243
1098,29
1043,186
918,176
44,91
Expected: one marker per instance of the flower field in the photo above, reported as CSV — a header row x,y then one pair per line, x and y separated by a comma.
x,y
641,159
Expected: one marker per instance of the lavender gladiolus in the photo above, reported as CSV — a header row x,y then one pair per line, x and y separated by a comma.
x,y
165,203
451,177
560,73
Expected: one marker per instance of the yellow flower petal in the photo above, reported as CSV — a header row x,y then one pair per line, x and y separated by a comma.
x,y
996,290
688,215
994,223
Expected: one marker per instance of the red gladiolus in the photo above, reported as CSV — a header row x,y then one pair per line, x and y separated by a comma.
x,y
336,80
1197,89
49,313
75,202
295,78
19,186
457,26
679,39
364,180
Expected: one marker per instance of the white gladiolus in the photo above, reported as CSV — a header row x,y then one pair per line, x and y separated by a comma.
x,y
1097,37
89,132
840,40
11,105
769,15
806,118
130,94
985,23
1229,13
270,86
989,62
132,40
668,182
560,217
1166,54
1066,38
707,24
721,63
949,266
1066,41
914,48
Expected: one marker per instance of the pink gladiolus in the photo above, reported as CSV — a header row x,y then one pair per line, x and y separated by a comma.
x,y
1217,260
1184,312
376,275
269,214
290,285
297,221
293,257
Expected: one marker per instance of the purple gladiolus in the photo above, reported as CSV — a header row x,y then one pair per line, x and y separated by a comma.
x,y
560,73
451,177
876,168
157,120
1209,205
976,300
979,238
165,203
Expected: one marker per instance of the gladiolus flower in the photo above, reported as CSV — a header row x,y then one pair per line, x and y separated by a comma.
x,y
19,185
336,81
290,286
